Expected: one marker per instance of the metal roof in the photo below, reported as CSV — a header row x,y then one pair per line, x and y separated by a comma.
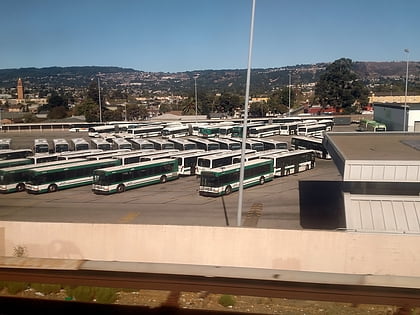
x,y
386,213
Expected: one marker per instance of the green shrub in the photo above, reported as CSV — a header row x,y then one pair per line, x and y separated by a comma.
x,y
82,293
105,295
15,287
227,300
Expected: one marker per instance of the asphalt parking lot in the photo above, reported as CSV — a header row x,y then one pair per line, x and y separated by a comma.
x,y
310,199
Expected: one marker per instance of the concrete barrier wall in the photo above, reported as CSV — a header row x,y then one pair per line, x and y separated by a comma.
x,y
322,251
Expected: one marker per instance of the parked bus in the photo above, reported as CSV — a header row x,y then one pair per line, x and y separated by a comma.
x,y
41,146
60,145
228,144
139,156
96,131
146,131
205,144
289,128
13,179
78,154
312,130
101,144
264,131
187,161
183,144
44,157
5,144
79,144
162,144
292,162
251,144
120,143
310,143
217,160
209,131
117,179
270,144
14,162
175,131
224,180
14,154
141,144
237,131
53,178
225,131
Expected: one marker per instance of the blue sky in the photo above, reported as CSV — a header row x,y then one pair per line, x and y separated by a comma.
x,y
187,35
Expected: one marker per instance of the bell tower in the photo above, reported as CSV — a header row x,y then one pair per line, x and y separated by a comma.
x,y
20,95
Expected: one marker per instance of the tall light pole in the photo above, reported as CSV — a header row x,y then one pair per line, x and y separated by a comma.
x,y
100,102
196,101
248,80
406,88
290,86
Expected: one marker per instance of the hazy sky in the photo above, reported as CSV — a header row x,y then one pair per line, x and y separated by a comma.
x,y
179,35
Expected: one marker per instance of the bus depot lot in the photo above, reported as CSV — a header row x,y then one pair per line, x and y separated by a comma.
x,y
275,204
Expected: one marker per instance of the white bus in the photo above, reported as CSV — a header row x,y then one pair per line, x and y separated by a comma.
x,y
225,131
96,131
79,144
223,180
187,161
289,128
60,145
78,154
270,144
141,144
205,144
292,162
13,179
117,179
310,143
228,144
251,144
162,144
121,143
53,178
41,146
312,130
44,157
146,131
136,157
217,160
175,131
264,131
5,144
10,154
183,144
99,143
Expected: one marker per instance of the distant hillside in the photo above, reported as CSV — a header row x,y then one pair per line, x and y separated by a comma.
x,y
217,81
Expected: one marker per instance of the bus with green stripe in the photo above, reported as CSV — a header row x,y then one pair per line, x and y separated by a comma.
x,y
13,179
53,178
121,178
224,180
14,162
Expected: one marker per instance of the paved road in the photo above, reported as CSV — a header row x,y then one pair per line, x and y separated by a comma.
x,y
292,202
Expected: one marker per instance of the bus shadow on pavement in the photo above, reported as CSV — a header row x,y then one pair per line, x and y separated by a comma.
x,y
321,205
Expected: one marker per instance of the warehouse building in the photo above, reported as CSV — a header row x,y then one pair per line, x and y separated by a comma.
x,y
392,115
381,180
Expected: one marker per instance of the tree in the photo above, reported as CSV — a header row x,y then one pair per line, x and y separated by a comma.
x,y
340,86
279,101
58,112
89,109
227,103
164,108
258,109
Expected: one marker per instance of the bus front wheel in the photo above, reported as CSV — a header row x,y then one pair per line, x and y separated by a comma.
x,y
163,179
20,187
52,188
120,188
262,180
228,190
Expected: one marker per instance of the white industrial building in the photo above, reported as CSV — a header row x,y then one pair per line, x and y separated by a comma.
x,y
392,115
381,180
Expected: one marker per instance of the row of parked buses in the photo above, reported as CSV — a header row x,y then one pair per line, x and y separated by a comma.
x,y
226,129
117,171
